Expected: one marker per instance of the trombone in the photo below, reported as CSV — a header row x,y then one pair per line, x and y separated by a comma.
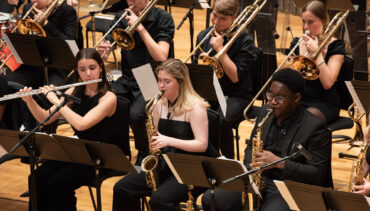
x,y
241,22
123,37
269,80
306,65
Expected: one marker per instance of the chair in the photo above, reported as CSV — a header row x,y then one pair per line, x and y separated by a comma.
x,y
346,74
120,137
213,133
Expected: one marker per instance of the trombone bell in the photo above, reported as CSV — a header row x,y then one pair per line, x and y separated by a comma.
x,y
307,67
214,63
123,39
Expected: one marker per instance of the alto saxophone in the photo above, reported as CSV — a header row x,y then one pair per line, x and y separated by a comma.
x,y
257,146
357,173
189,205
150,163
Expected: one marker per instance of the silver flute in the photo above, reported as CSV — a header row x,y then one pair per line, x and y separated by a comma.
x,y
38,91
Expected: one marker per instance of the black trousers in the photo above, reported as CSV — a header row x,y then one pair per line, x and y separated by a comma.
x,y
129,190
56,183
234,112
129,89
230,201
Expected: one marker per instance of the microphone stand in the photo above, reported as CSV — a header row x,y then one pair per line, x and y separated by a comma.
x,y
189,15
293,155
29,143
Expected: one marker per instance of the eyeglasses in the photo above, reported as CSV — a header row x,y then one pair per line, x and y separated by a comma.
x,y
278,98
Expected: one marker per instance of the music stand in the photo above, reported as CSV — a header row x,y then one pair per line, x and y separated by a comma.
x,y
330,4
359,91
210,172
99,155
309,197
47,52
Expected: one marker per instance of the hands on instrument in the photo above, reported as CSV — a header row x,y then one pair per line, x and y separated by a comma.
x,y
13,2
37,13
363,189
217,41
160,141
46,90
132,17
311,43
266,157
104,48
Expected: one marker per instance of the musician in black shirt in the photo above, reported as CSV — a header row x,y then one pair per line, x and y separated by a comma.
x,y
153,41
237,64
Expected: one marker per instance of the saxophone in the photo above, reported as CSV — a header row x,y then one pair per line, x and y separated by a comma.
x,y
357,173
150,163
257,146
189,205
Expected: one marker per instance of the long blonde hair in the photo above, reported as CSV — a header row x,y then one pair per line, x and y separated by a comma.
x,y
187,95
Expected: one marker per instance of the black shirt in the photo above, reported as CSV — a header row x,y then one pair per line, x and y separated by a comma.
x,y
243,54
314,91
3,88
160,26
273,142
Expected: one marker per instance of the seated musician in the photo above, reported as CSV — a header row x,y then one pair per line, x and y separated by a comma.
x,y
180,117
320,96
62,23
237,64
153,41
56,181
288,125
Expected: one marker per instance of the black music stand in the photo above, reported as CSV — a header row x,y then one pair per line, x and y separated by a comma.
x,y
47,52
99,155
309,197
359,91
201,77
210,172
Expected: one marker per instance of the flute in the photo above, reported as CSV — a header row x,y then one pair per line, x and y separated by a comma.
x,y
38,91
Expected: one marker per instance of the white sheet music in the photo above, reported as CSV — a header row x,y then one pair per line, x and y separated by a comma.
x,y
204,4
146,80
12,49
73,46
220,95
2,151
286,194
170,165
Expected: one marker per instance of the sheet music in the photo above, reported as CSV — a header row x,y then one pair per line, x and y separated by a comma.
x,y
355,97
12,49
220,95
146,80
73,46
2,151
169,163
367,199
286,194
204,4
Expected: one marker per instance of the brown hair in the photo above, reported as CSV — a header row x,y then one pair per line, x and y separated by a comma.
x,y
105,85
226,7
318,9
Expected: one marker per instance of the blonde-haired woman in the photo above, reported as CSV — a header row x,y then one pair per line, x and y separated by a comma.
x,y
181,120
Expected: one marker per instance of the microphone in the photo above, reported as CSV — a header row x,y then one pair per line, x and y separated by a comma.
x,y
304,152
69,97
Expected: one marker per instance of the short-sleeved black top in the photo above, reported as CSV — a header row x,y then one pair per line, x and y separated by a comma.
x,y
314,93
99,132
160,26
243,54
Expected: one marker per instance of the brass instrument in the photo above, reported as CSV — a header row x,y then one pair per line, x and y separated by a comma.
x,y
357,172
307,65
123,37
355,115
257,146
189,204
150,163
269,80
201,43
247,15
38,91
28,26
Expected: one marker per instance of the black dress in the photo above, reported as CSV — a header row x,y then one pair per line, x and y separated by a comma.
x,y
326,100
170,193
57,181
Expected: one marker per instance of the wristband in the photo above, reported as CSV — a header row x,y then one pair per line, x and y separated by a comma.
x,y
48,93
320,63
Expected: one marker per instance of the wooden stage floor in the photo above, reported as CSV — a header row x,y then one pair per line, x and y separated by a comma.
x,y
13,174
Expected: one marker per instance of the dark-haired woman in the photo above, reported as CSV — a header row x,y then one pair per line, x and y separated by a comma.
x,y
320,96
56,181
